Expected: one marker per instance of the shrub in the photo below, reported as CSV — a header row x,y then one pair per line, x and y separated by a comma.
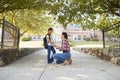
x,y
95,39
70,42
87,39
26,39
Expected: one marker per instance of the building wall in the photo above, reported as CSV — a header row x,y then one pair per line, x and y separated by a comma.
x,y
74,31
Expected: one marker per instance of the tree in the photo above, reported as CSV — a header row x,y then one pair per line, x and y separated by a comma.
x,y
33,21
9,5
67,11
74,10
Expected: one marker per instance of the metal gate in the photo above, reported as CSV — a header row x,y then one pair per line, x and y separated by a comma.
x,y
111,36
10,35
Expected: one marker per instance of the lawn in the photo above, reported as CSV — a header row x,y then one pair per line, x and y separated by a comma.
x,y
26,44
31,44
87,44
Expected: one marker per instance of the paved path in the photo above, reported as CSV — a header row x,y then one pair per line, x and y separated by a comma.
x,y
84,67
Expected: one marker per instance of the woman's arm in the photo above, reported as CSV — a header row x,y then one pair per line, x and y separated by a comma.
x,y
64,46
56,46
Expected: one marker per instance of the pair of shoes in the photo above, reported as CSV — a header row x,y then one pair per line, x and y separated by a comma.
x,y
52,60
70,61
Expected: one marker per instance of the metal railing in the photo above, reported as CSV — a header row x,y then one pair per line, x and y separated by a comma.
x,y
10,35
111,36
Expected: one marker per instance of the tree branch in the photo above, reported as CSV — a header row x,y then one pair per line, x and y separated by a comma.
x,y
23,33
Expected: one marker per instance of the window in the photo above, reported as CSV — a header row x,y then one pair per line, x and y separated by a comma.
x,y
34,37
79,37
38,37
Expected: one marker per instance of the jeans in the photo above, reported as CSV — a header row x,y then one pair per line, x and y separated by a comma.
x,y
50,58
61,57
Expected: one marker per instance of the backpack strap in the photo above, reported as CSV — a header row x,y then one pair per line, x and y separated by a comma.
x,y
49,36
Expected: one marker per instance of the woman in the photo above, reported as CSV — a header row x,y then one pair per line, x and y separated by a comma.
x,y
65,57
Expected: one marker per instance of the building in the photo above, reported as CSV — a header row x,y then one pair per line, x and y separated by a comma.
x,y
76,33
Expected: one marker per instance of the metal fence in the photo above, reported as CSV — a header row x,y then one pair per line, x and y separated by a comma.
x,y
111,36
10,35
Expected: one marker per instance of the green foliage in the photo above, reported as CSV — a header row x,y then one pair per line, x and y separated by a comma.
x,y
26,39
35,21
10,5
87,39
113,33
70,42
95,39
88,13
74,10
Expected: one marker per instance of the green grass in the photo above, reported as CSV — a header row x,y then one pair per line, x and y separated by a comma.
x,y
86,42
73,44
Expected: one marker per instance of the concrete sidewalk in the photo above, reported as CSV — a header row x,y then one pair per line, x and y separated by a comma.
x,y
84,67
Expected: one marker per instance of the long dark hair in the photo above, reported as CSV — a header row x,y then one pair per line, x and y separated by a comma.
x,y
65,35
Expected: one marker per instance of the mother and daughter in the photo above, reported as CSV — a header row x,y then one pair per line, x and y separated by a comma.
x,y
61,58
